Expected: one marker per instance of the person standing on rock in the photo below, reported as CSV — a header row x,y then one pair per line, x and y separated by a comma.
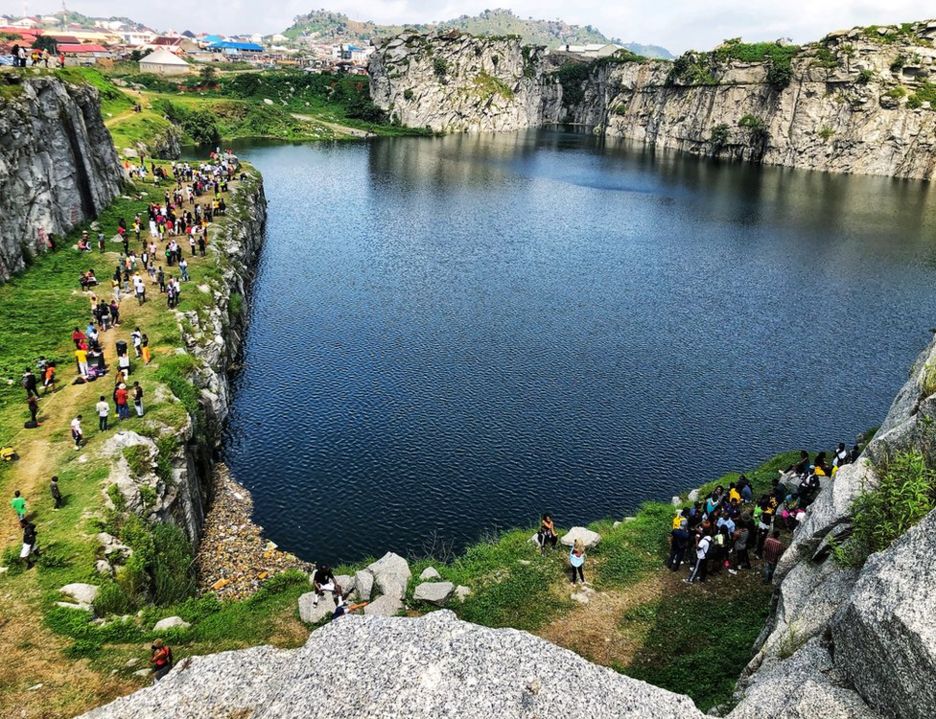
x,y
161,659
55,492
577,561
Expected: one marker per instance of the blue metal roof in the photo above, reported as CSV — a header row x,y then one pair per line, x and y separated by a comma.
x,y
228,45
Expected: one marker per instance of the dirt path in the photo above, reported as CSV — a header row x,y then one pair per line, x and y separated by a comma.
x,y
343,129
592,630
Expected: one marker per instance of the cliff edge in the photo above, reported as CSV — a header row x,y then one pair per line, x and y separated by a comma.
x,y
58,167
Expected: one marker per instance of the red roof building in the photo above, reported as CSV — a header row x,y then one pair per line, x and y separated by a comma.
x,y
81,49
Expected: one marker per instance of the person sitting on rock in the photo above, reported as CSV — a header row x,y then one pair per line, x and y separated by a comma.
x,y
547,533
323,580
343,607
161,659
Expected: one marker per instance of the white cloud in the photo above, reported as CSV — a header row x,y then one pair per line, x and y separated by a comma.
x,y
677,24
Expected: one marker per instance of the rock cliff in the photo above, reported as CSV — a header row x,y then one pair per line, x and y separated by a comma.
x,y
213,337
58,167
427,668
858,101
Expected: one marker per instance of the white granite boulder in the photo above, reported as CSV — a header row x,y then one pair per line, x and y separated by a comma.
x,y
363,585
437,593
429,573
81,593
588,537
386,605
311,612
391,575
171,623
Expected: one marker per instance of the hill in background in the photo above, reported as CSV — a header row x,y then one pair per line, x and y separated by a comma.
x,y
327,26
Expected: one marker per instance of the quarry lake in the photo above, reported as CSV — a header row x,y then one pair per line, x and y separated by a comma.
x,y
450,336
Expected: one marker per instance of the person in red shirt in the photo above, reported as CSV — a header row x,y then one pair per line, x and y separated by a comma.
x,y
78,337
773,549
120,399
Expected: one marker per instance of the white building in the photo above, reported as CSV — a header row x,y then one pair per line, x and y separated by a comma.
x,y
163,62
592,51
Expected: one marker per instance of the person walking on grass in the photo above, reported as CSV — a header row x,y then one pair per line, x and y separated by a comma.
x,y
29,383
48,378
136,337
18,503
30,543
81,358
138,399
33,404
103,411
183,268
55,492
577,561
76,431
144,348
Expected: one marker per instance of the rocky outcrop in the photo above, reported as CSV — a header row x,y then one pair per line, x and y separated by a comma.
x,y
863,638
452,82
58,167
858,101
431,667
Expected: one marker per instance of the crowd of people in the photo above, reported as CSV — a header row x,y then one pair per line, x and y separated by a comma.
x,y
720,532
180,221
23,56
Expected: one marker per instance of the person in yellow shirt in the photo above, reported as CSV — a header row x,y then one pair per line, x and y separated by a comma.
x,y
81,357
733,493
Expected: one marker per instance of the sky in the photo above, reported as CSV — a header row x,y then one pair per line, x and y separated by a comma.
x,y
678,25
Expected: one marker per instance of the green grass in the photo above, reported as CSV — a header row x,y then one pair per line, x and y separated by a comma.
x,y
697,642
487,86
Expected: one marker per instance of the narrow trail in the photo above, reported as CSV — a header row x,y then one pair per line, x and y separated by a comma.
x,y
33,653
343,129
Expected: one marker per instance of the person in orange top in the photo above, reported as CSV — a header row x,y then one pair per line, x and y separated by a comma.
x,y
144,348
48,378
161,659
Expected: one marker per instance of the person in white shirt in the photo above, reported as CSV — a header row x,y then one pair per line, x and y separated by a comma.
x,y
699,570
137,337
76,432
123,363
103,410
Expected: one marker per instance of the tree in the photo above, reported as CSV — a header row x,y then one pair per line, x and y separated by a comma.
x,y
207,75
44,42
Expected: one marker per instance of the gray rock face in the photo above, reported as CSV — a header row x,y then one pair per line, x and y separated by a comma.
x,y
827,118
58,167
437,593
391,575
885,636
805,686
435,667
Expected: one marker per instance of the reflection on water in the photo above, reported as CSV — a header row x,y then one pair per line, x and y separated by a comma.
x,y
452,335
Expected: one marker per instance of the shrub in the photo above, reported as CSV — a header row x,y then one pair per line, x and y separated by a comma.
x,y
755,126
173,577
440,67
906,493
826,133
914,102
719,137
112,598
138,459
864,77
408,94
826,58
620,108
572,77
897,92
898,64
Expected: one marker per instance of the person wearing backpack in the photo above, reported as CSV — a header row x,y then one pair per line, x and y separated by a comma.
x,y
161,659
29,384
699,569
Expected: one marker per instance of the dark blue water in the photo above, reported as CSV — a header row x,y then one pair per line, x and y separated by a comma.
x,y
454,335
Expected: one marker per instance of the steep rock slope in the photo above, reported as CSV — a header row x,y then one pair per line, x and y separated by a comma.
x,y
433,667
859,101
58,167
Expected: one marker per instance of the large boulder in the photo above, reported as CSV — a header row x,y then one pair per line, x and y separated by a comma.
x,y
437,593
588,537
420,668
311,611
363,585
885,636
391,574
386,605
81,593
171,623
804,686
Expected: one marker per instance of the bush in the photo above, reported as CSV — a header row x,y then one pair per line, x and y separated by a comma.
x,y
826,133
173,577
864,77
440,67
199,125
898,64
906,493
408,94
572,77
719,137
112,598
